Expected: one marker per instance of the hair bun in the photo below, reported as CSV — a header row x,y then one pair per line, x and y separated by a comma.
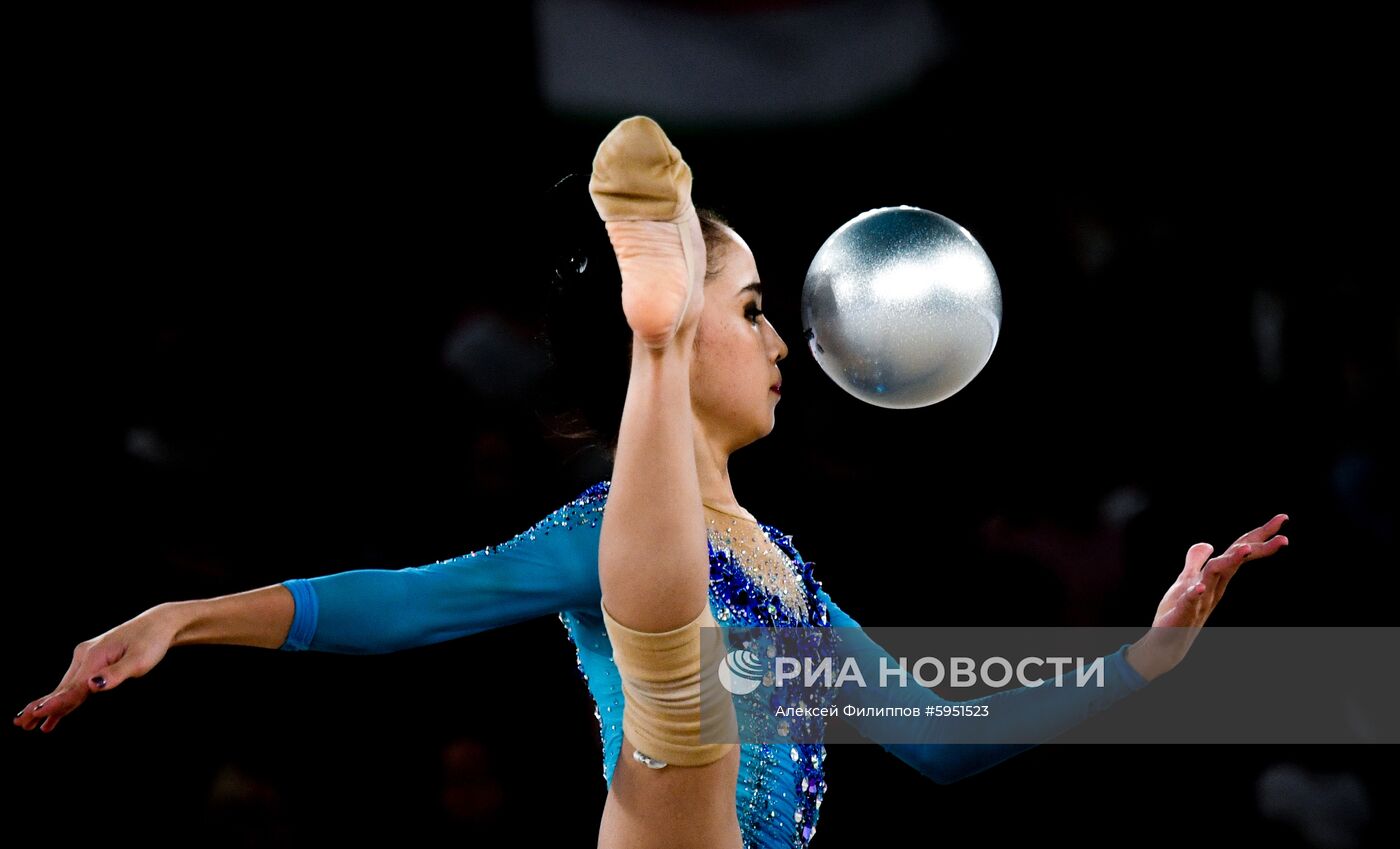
x,y
575,234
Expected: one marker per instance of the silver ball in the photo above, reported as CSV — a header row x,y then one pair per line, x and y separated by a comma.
x,y
901,307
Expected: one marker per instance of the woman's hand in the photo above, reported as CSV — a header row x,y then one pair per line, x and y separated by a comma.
x,y
262,618
1198,589
129,650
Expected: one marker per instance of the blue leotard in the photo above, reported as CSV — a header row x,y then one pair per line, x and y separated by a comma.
x,y
552,568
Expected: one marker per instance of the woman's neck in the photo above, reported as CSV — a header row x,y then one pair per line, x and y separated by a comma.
x,y
734,512
716,490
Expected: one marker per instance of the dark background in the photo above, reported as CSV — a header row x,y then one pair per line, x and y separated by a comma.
x,y
253,258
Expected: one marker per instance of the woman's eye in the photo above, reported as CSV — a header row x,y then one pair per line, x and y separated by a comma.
x,y
753,312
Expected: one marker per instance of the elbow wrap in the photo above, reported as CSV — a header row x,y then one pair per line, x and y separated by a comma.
x,y
670,702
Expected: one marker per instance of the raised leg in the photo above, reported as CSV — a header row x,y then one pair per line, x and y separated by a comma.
x,y
653,556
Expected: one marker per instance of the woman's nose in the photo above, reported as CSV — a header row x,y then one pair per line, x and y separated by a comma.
x,y
782,346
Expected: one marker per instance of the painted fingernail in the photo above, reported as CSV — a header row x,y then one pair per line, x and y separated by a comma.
x,y
100,681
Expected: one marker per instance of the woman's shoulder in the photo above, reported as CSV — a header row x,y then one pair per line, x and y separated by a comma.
x,y
592,496
584,510
587,505
594,493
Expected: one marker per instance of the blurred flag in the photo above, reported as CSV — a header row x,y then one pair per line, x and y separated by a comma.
x,y
726,62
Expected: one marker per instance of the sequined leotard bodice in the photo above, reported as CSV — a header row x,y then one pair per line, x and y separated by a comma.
x,y
552,568
780,788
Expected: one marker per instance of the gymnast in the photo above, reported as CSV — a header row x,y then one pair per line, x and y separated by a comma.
x,y
646,566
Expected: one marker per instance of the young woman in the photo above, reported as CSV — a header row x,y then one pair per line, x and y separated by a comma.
x,y
636,566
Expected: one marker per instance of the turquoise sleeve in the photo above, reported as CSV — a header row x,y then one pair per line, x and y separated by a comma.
x,y
548,568
948,751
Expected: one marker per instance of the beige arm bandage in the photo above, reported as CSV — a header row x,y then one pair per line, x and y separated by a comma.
x,y
667,694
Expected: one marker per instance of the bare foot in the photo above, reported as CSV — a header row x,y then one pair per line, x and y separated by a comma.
x,y
641,189
662,290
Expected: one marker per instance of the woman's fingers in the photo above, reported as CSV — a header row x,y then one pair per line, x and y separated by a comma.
x,y
1257,551
120,666
55,704
22,718
51,710
26,718
91,669
1271,546
1204,576
1260,550
1263,532
1196,557
1216,573
1218,570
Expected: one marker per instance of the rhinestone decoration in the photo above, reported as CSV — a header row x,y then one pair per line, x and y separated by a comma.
x,y
752,549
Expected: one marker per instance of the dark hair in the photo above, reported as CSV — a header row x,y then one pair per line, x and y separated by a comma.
x,y
585,334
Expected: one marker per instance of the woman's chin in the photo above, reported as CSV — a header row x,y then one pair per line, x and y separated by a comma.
x,y
772,423
761,430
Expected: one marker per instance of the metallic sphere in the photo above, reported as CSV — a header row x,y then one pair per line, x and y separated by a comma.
x,y
901,307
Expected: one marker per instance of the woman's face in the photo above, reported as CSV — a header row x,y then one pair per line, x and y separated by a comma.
x,y
736,351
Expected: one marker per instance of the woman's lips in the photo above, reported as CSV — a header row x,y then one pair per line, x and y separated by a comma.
x,y
777,387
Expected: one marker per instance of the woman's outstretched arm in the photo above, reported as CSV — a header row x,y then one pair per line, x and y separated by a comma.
x,y
550,567
950,750
258,617
947,751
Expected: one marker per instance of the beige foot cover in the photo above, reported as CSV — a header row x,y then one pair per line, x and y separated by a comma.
x,y
641,187
666,692
638,175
